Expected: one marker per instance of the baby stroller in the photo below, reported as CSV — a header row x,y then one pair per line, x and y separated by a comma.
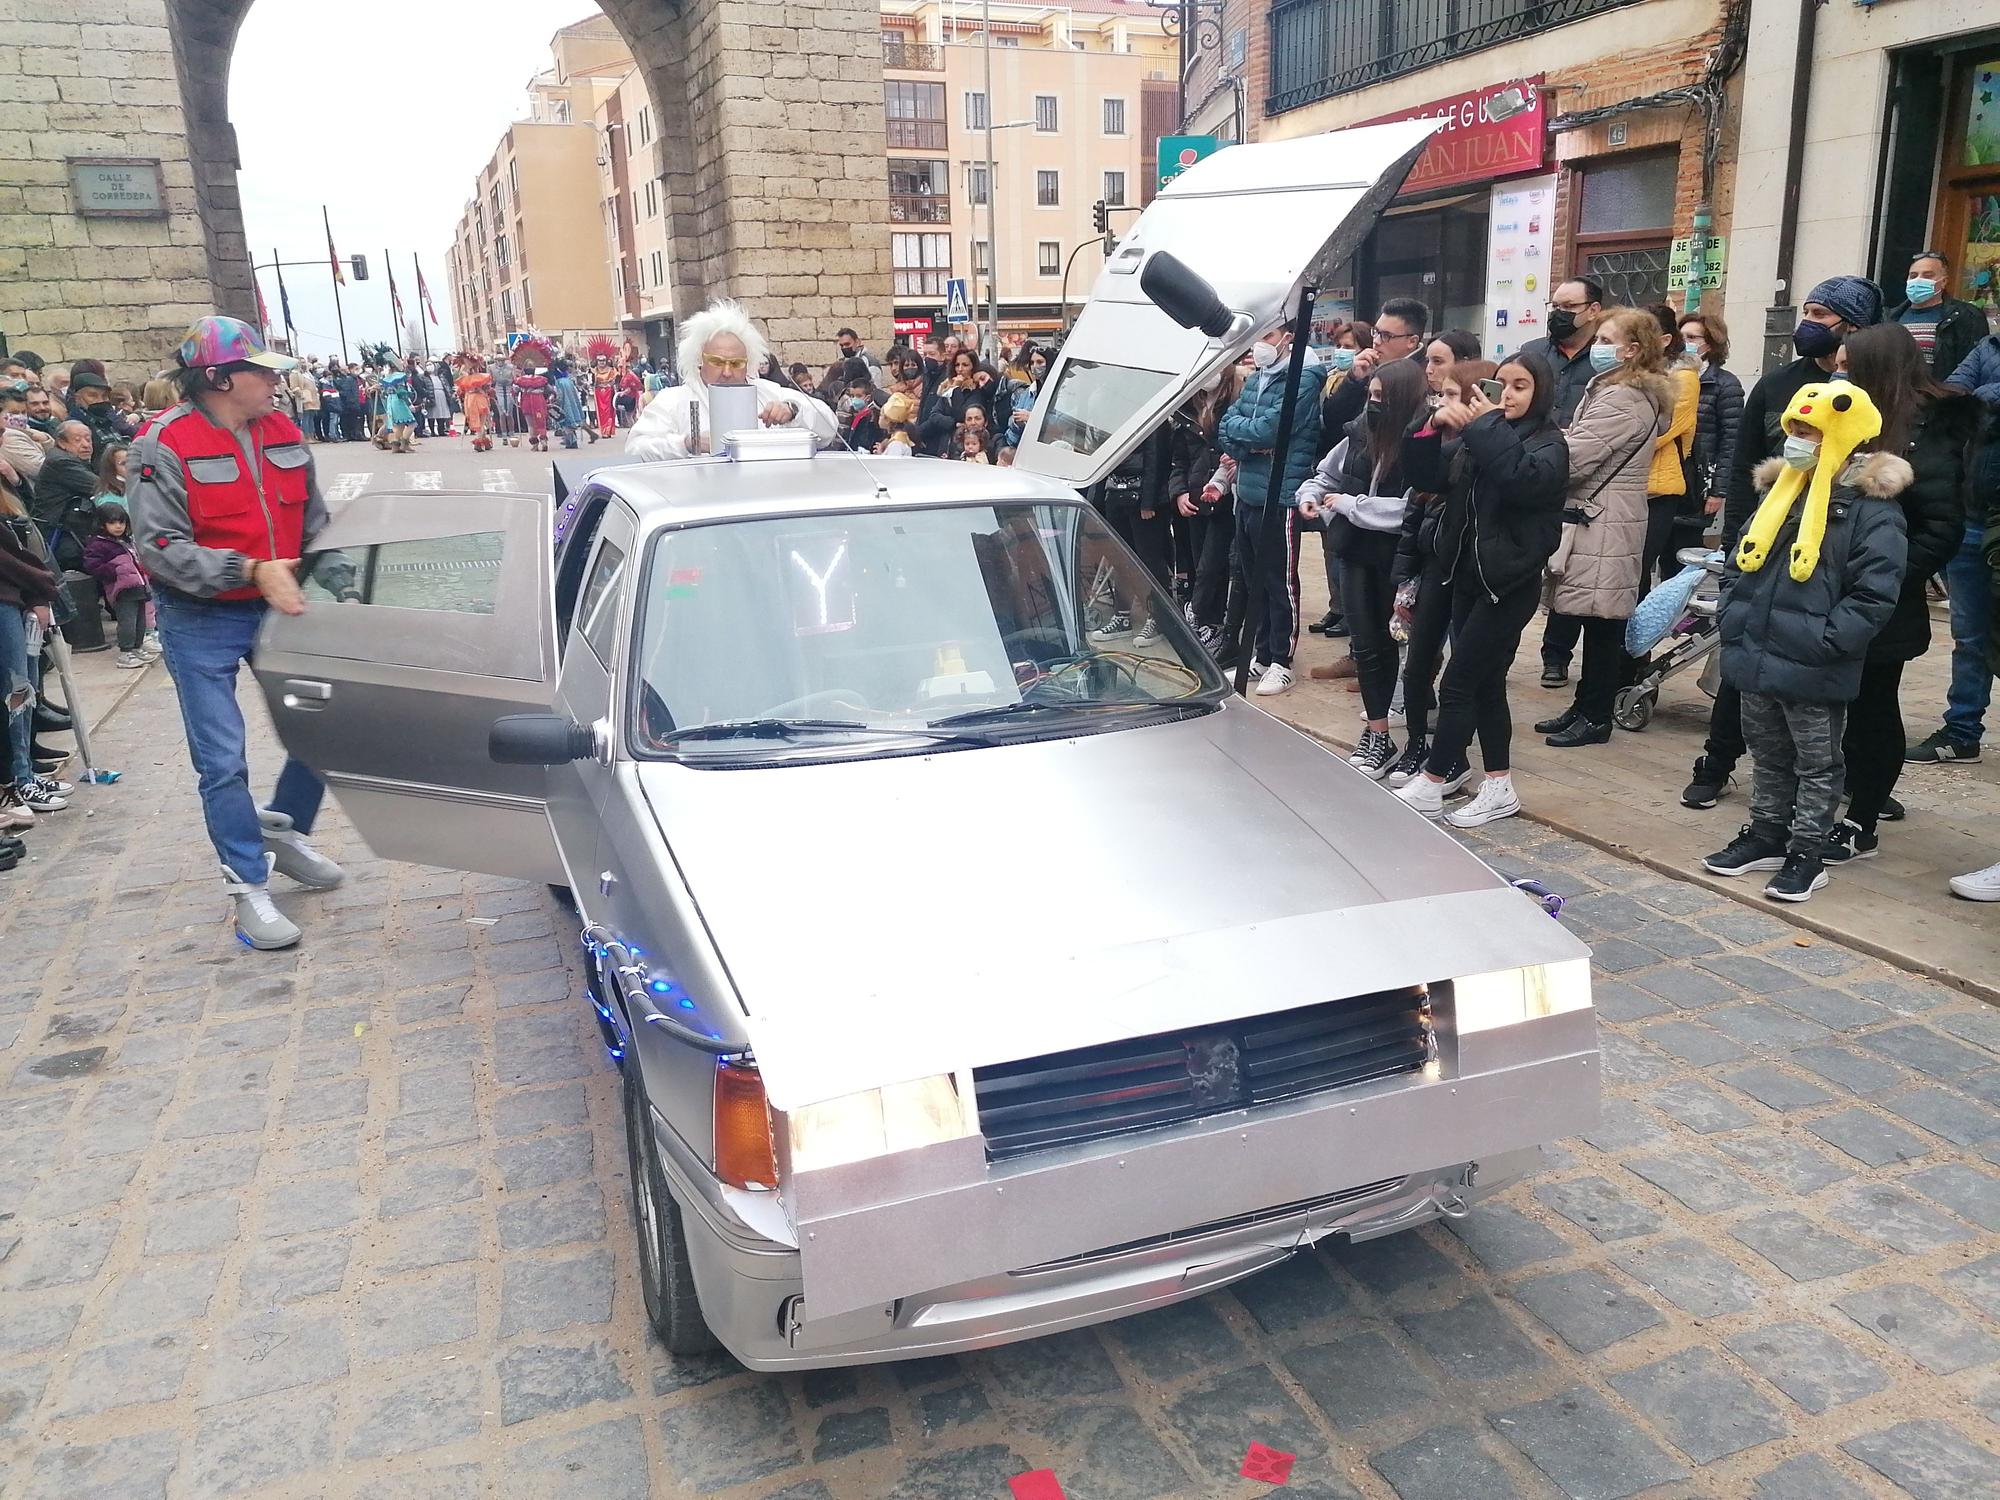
x,y
1681,614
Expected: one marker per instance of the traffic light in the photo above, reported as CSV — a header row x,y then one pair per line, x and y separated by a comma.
x,y
360,267
1100,217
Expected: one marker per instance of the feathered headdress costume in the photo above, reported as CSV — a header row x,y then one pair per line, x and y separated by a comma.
x,y
1846,418
533,354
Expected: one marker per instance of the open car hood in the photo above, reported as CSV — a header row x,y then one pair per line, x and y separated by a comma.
x,y
1254,221
893,919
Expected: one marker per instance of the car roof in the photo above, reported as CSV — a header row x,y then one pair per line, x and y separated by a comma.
x,y
712,489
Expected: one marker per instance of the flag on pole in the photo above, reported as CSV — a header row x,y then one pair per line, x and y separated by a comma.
x,y
263,312
395,297
424,293
285,304
332,255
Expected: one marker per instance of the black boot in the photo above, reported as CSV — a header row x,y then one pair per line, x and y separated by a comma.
x,y
1580,732
1560,722
50,720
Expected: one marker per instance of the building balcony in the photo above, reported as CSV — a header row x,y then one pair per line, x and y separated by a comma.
x,y
1320,48
918,135
913,57
930,210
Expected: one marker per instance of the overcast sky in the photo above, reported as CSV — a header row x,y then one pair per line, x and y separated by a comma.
x,y
384,111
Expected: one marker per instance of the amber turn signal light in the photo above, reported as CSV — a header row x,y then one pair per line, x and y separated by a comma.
x,y
744,1156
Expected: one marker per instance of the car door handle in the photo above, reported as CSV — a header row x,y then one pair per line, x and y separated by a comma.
x,y
307,696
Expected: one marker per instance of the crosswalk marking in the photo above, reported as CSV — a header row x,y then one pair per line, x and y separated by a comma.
x,y
345,487
427,479
494,480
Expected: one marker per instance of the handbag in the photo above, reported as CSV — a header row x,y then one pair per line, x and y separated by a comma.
x,y
1578,515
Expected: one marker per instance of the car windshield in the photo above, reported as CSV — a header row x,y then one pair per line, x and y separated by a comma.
x,y
834,635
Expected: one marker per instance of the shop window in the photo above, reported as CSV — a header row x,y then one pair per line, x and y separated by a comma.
x,y
1968,217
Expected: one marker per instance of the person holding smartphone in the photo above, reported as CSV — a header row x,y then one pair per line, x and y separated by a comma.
x,y
1503,488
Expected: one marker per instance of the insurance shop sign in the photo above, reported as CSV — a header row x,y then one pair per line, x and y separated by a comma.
x,y
1473,145
117,187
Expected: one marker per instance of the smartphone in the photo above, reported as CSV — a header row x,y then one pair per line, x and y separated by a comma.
x,y
1491,389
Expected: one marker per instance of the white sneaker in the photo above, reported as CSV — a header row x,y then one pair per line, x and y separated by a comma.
x,y
1275,680
1258,667
132,661
294,857
1980,885
14,812
259,923
1496,799
1423,795
151,648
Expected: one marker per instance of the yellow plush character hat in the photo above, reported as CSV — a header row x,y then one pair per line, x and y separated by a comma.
x,y
1846,419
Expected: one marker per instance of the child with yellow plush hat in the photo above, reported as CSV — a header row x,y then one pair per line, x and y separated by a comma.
x,y
1811,582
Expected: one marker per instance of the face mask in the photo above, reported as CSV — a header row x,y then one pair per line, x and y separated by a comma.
x,y
1602,357
1814,340
1341,359
1263,355
1561,325
1920,289
1801,453
1837,375
1372,410
854,403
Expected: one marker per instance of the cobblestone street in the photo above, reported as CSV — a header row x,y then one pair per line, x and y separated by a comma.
x,y
352,1221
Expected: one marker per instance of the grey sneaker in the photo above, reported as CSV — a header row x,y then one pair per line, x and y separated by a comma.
x,y
294,857
259,923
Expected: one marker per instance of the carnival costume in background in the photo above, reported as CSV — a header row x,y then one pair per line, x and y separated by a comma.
x,y
475,399
399,421
569,406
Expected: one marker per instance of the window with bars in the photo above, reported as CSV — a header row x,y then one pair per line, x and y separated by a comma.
x,y
1624,224
1046,118
920,263
1048,189
1048,257
1114,189
1114,116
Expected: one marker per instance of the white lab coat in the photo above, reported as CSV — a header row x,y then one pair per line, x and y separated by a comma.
x,y
661,432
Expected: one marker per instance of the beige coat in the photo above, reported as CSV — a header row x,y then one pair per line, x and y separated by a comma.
x,y
1610,453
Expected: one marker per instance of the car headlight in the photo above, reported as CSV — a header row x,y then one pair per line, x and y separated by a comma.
x,y
1507,997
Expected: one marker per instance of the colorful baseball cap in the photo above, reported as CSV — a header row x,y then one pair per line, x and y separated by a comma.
x,y
228,341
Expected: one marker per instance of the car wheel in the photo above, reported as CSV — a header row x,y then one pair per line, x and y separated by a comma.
x,y
665,1277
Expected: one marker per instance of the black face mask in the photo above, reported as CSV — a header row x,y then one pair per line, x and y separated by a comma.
x,y
1373,411
1562,325
1814,340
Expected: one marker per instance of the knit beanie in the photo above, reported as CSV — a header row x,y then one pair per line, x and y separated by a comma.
x,y
1857,299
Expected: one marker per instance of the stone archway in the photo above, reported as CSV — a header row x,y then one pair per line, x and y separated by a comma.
x,y
770,153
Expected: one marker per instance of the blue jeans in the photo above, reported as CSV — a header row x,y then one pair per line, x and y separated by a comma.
x,y
1971,617
16,672
203,643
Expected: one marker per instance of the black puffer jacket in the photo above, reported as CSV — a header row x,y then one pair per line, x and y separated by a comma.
x,y
1193,457
1503,492
1357,477
1716,420
1805,642
1934,510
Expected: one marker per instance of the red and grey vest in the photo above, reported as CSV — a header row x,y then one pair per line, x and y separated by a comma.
x,y
262,514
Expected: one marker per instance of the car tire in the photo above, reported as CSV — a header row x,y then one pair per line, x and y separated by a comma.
x,y
666,1279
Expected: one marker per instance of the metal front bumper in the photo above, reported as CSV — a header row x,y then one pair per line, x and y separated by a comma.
x,y
753,1297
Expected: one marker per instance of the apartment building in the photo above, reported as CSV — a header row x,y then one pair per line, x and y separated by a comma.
x,y
634,211
516,262
1074,88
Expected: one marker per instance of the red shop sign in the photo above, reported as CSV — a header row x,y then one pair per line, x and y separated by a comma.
x,y
921,327
1473,146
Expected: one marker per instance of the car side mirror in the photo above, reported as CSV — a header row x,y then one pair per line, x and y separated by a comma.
x,y
1184,295
538,740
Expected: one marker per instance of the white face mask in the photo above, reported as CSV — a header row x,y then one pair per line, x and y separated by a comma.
x,y
1263,355
1801,453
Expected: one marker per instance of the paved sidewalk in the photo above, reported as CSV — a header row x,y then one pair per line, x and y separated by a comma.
x,y
351,1223
1624,797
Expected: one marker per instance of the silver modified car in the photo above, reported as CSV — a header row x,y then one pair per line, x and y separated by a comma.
x,y
972,975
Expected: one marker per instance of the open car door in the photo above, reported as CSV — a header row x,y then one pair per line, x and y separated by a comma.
x,y
1252,221
428,616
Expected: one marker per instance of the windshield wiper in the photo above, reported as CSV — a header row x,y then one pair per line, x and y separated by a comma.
x,y
784,729
1024,706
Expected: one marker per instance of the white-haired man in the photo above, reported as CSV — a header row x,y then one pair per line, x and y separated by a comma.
x,y
719,346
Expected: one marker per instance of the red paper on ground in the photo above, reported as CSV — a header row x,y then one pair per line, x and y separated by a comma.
x,y
1268,1464
1036,1484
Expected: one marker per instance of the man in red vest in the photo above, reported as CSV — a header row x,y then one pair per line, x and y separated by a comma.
x,y
224,503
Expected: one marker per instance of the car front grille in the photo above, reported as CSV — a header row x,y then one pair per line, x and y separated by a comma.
x,y
1067,1098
